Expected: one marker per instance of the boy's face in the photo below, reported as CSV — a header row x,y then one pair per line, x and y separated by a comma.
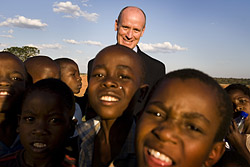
x,y
178,125
115,78
44,124
71,76
12,80
241,103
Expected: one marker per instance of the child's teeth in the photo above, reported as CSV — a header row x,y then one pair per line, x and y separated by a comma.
x,y
4,93
108,98
39,145
160,156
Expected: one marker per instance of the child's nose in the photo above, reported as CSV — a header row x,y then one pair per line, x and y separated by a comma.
x,y
167,132
110,82
239,108
4,82
40,128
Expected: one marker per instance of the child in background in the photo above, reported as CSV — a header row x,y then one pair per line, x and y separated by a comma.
x,y
240,97
13,82
42,67
184,122
71,76
44,126
115,85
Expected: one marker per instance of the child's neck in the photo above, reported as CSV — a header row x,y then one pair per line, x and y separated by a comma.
x,y
110,139
8,130
49,161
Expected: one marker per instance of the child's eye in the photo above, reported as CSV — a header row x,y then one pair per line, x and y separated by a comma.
x,y
124,77
154,113
243,101
193,127
17,79
55,120
98,75
29,119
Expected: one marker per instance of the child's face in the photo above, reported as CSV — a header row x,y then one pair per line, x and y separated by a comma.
x,y
241,103
44,124
115,78
12,80
178,125
71,76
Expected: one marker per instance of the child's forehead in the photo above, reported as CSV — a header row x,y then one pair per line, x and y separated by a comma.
x,y
50,100
185,84
11,62
238,93
115,58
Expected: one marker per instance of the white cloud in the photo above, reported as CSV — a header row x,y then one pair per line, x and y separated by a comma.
x,y
23,22
72,41
165,47
3,45
46,46
79,51
7,36
10,31
73,11
92,43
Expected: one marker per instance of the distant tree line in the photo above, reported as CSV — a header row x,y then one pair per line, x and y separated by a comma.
x,y
23,52
244,81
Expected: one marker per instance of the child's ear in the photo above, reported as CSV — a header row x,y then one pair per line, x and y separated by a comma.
x,y
18,119
143,92
215,154
73,123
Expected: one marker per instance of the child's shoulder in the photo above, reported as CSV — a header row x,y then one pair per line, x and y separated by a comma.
x,y
12,160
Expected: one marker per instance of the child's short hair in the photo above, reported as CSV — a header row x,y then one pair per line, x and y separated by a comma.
x,y
241,87
55,86
224,104
62,61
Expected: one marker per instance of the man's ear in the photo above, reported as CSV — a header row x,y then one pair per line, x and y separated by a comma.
x,y
116,25
143,31
18,127
143,92
215,154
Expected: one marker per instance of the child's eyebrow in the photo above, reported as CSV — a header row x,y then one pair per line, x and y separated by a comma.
x,y
124,67
98,66
195,115
189,115
17,72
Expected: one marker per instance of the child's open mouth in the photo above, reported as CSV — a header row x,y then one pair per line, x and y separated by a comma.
x,y
155,158
109,98
38,146
4,93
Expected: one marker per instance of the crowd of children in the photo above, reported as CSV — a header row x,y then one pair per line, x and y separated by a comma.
x,y
186,117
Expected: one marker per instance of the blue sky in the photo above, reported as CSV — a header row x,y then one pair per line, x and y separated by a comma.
x,y
210,35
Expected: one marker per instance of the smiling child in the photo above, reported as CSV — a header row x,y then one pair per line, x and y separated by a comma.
x,y
115,85
13,82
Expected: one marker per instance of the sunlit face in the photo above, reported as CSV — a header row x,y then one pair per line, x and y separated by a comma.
x,y
241,103
178,125
71,76
130,28
12,80
114,80
44,125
